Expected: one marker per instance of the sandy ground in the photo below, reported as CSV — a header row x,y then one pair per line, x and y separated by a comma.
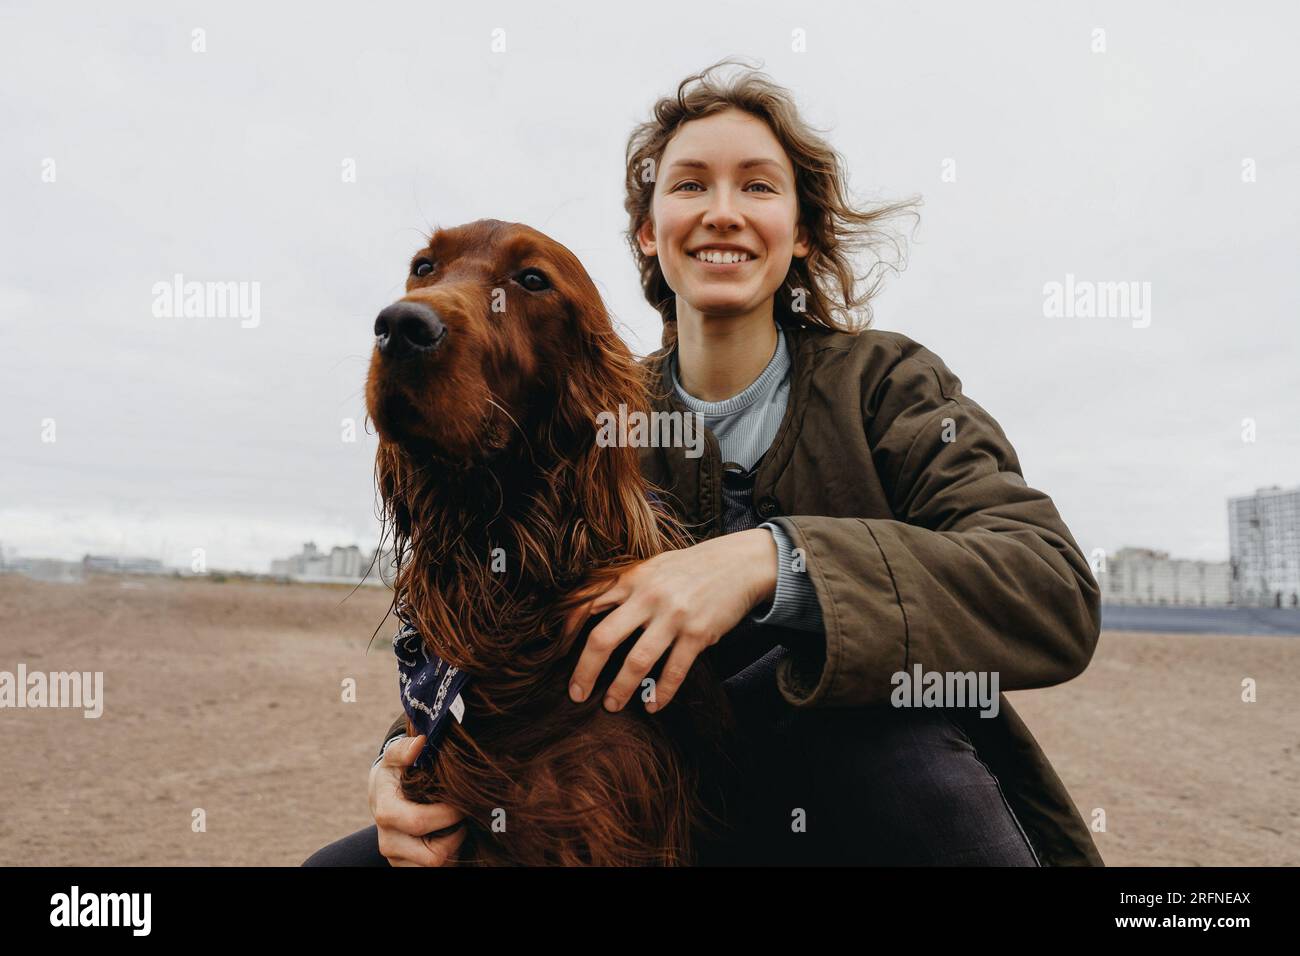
x,y
229,698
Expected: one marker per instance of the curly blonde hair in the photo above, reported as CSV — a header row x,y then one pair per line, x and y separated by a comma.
x,y
832,290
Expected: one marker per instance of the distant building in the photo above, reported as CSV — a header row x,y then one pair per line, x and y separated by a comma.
x,y
106,564
1145,576
382,567
341,564
1264,543
345,562
46,569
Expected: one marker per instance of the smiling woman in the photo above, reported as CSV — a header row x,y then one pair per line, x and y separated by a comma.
x,y
901,530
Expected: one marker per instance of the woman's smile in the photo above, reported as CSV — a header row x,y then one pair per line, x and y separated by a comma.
x,y
725,262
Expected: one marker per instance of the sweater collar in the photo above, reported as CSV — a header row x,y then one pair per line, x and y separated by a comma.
x,y
800,341
776,369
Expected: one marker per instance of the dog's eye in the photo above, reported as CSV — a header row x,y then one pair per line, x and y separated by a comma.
x,y
534,280
422,268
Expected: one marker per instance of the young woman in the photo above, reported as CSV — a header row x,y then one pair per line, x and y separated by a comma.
x,y
861,525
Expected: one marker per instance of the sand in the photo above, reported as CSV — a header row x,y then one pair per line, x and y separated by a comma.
x,y
229,698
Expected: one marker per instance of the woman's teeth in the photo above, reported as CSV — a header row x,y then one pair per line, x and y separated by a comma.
x,y
715,256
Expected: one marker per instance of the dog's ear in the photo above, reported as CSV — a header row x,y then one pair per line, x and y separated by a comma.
x,y
603,379
600,377
389,476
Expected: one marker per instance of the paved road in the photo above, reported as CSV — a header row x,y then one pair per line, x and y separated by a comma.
x,y
1201,620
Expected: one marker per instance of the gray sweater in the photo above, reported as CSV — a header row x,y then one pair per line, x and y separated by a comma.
x,y
745,426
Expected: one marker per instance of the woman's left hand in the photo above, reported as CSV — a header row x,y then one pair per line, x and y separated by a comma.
x,y
686,599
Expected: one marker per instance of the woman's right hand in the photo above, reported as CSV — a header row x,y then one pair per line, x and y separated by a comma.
x,y
403,823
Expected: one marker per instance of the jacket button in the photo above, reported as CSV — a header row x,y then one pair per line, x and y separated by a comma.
x,y
767,507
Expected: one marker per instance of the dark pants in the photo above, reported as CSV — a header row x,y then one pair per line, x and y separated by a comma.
x,y
861,786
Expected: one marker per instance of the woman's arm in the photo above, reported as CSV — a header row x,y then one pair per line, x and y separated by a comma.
x,y
977,572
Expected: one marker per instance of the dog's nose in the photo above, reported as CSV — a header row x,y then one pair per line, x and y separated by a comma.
x,y
408,328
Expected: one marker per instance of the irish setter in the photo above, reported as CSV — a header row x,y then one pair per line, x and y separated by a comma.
x,y
484,386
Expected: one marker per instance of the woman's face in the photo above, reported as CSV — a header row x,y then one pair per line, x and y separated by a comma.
x,y
724,180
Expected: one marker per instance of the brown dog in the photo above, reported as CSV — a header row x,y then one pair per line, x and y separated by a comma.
x,y
485,386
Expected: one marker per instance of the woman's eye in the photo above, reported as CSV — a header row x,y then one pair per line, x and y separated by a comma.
x,y
691,183
533,280
422,268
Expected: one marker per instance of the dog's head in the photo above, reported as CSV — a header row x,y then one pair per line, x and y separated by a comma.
x,y
501,338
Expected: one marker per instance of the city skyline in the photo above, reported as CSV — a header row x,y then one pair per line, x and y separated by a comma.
x,y
1290,539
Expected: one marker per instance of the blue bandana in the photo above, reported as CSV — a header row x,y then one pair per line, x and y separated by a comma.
x,y
430,690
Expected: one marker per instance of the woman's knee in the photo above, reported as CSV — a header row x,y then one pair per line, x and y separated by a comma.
x,y
897,786
356,849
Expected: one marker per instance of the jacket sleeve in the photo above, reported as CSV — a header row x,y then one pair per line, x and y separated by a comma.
x,y
976,571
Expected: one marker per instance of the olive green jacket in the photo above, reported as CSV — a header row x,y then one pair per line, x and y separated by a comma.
x,y
925,546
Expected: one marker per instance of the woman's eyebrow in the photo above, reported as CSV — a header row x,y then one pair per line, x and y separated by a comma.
x,y
743,164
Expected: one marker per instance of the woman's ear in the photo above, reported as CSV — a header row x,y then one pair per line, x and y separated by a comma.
x,y
801,244
645,236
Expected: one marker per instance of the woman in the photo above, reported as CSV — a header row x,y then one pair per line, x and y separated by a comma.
x,y
860,523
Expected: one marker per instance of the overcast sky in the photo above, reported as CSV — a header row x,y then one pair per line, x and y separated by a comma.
x,y
175,433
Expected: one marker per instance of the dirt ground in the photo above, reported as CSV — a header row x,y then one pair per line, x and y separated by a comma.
x,y
229,698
